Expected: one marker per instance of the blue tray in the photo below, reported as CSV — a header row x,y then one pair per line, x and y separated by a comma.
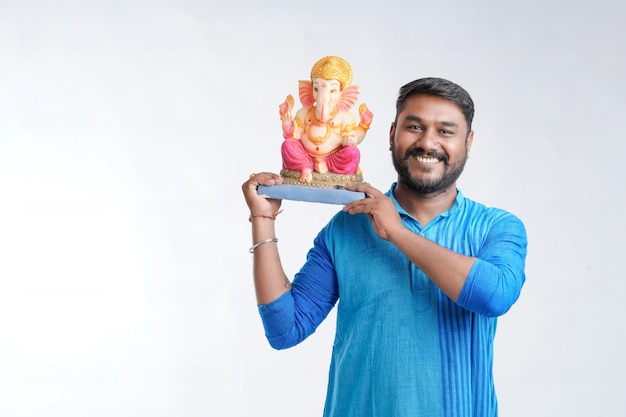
x,y
311,194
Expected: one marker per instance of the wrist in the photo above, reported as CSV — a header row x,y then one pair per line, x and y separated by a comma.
x,y
271,216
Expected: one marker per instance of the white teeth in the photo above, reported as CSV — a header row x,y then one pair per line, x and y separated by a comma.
x,y
427,160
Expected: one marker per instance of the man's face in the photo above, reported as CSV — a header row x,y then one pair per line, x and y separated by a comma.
x,y
429,144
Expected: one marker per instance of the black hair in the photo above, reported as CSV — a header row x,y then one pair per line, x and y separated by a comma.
x,y
438,87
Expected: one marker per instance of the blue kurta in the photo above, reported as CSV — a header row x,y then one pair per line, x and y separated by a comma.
x,y
402,347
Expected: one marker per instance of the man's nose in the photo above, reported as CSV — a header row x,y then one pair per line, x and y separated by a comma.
x,y
428,140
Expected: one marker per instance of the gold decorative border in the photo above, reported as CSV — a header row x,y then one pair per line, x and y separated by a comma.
x,y
325,180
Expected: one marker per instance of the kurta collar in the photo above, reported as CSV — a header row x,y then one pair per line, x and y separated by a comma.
x,y
459,201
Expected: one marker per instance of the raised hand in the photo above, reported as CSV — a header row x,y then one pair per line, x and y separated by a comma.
x,y
379,208
366,116
260,205
284,110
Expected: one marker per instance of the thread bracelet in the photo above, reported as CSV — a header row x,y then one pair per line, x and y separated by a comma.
x,y
265,216
263,242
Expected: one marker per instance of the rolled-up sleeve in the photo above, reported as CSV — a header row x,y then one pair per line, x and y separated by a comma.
x,y
295,315
496,278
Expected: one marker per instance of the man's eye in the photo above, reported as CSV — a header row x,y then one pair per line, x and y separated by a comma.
x,y
415,127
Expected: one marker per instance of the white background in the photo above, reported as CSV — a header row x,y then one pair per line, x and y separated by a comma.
x,y
127,129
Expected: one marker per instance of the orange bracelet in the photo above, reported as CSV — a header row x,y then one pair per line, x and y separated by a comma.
x,y
265,216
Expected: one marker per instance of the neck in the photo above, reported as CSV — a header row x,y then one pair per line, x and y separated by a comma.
x,y
425,207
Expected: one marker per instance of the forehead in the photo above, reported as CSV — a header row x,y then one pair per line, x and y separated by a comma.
x,y
432,108
326,83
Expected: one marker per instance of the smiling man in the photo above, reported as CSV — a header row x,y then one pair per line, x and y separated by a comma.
x,y
421,274
431,132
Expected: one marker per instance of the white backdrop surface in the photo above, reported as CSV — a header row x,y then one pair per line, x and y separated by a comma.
x,y
127,128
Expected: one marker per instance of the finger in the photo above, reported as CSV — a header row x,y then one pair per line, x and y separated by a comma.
x,y
263,178
365,188
359,206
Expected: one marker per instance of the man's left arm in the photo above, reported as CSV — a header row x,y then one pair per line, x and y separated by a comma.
x,y
488,283
496,278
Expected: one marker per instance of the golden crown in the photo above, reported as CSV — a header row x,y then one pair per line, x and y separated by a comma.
x,y
332,68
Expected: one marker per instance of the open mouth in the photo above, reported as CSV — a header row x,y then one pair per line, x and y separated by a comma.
x,y
426,159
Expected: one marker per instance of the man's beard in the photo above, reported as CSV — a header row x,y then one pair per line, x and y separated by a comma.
x,y
432,186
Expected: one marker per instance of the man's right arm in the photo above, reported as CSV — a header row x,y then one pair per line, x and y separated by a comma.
x,y
296,315
289,313
270,281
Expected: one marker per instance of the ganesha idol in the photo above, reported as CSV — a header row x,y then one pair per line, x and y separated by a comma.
x,y
320,146
319,150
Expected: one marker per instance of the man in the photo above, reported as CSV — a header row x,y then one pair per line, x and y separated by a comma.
x,y
421,273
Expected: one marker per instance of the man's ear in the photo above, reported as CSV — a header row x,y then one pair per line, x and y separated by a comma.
x,y
392,133
468,142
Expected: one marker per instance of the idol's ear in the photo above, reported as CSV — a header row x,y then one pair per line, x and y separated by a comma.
x,y
305,90
349,96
